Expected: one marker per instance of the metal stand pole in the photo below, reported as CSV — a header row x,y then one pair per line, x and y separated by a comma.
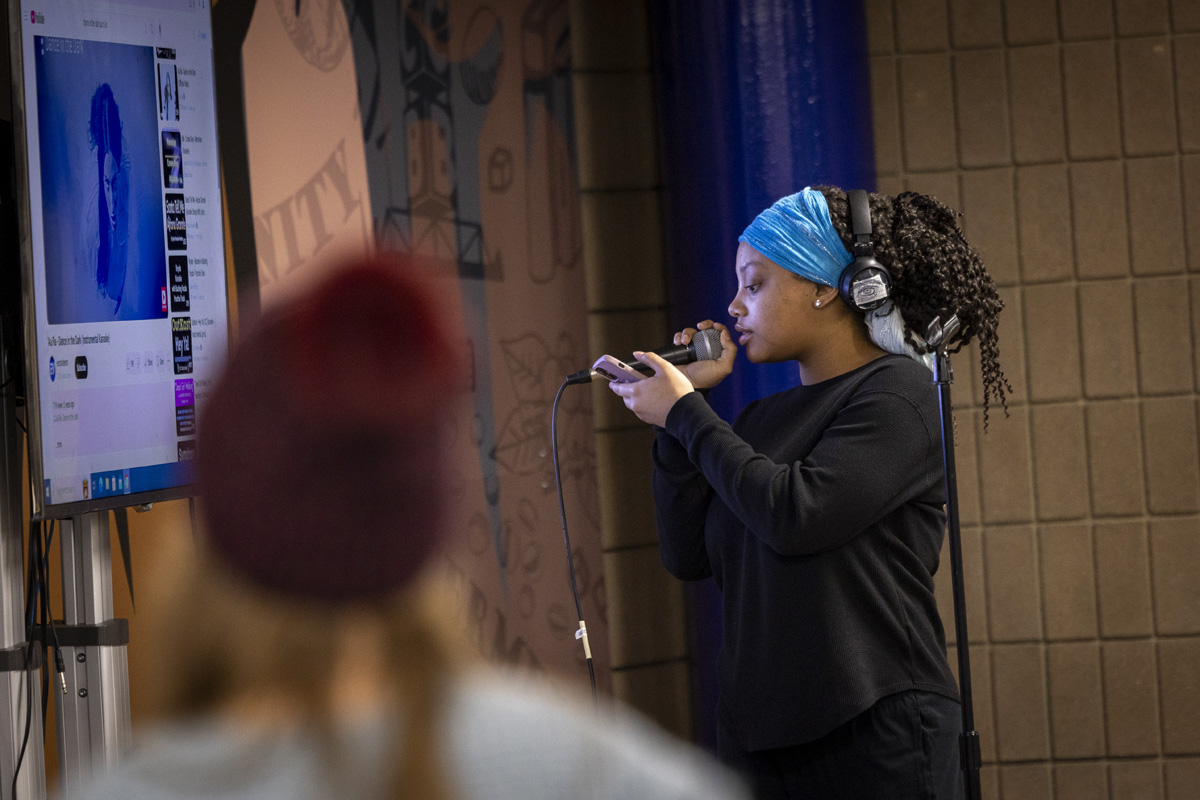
x,y
943,376
20,674
93,716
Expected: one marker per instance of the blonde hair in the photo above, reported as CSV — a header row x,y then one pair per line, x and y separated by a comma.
x,y
220,639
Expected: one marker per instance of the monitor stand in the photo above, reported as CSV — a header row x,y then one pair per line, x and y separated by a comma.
x,y
93,715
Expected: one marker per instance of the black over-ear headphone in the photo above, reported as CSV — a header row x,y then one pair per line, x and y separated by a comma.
x,y
865,284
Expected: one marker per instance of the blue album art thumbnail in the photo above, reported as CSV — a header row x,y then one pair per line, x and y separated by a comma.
x,y
185,407
168,90
172,160
102,205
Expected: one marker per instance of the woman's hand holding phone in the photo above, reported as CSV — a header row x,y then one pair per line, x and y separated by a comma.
x,y
616,370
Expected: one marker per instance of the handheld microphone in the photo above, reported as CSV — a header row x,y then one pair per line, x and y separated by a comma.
x,y
705,346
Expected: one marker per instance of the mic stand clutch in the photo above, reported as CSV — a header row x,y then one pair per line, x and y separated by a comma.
x,y
939,336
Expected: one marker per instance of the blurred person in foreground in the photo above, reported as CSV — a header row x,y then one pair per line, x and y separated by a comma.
x,y
305,654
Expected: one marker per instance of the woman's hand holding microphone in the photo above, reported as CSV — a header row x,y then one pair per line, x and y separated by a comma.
x,y
651,399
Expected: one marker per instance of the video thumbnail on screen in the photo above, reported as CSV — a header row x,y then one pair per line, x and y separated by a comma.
x,y
98,111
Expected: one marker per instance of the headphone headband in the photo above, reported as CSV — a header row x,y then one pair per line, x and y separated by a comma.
x,y
860,214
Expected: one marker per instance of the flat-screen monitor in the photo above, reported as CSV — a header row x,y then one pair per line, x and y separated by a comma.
x,y
123,254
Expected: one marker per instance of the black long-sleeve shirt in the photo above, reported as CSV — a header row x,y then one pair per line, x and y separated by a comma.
x,y
820,515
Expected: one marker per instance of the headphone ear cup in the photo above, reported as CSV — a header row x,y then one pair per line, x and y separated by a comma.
x,y
865,284
845,283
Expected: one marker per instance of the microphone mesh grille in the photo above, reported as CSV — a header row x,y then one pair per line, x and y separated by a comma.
x,y
708,344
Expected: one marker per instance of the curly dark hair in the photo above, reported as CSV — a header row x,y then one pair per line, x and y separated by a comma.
x,y
104,125
935,272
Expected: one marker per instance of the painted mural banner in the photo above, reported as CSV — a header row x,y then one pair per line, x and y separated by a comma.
x,y
444,128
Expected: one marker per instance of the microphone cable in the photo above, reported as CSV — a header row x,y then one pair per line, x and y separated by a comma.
x,y
48,618
706,345
582,633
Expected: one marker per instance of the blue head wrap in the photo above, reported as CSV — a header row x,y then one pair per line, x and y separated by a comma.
x,y
797,234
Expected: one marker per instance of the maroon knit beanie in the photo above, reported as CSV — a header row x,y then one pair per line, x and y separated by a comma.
x,y
321,448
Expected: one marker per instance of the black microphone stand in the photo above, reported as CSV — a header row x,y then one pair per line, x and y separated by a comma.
x,y
939,336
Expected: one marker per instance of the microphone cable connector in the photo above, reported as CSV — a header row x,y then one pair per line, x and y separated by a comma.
x,y
60,667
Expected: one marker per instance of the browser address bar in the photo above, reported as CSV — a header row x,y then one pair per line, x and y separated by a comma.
x,y
163,5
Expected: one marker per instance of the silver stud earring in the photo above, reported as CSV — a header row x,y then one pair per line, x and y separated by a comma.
x,y
817,304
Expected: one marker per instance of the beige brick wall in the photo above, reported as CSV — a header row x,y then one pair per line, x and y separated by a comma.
x,y
1069,135
621,192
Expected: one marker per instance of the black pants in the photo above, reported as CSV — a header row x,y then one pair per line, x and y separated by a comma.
x,y
905,747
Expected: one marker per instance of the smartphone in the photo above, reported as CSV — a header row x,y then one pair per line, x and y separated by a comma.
x,y
616,370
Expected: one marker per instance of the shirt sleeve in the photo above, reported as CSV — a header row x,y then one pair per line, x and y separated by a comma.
x,y
681,497
871,459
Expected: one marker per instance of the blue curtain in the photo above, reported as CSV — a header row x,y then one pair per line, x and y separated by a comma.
x,y
757,99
